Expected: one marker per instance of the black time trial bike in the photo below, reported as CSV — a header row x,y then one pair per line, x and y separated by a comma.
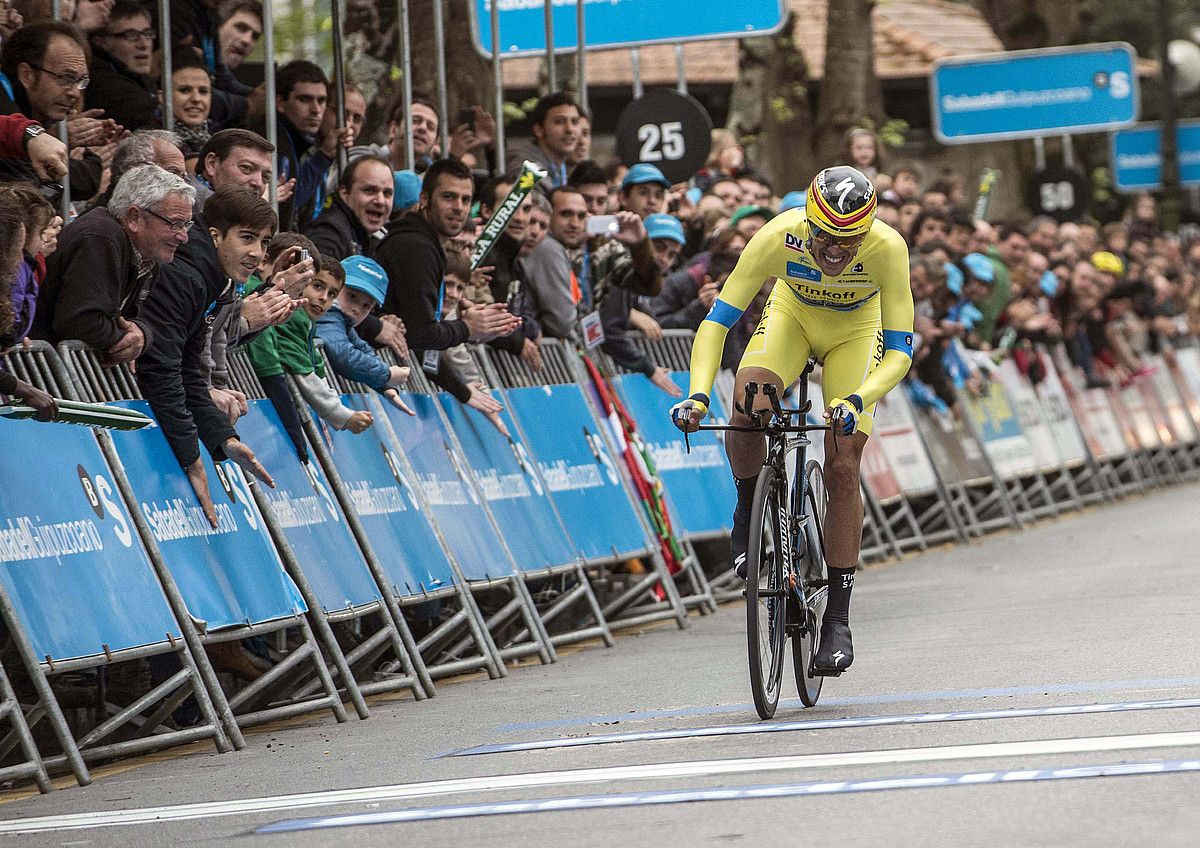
x,y
786,581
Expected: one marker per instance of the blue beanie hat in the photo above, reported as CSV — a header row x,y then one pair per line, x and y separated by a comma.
x,y
367,276
408,189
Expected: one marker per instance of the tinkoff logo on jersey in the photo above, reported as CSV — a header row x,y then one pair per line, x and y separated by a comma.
x,y
797,271
793,242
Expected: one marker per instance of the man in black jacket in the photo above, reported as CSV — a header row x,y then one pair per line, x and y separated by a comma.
x,y
121,67
171,372
361,207
108,259
45,67
415,263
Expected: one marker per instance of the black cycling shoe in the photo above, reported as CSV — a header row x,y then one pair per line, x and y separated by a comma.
x,y
739,539
835,652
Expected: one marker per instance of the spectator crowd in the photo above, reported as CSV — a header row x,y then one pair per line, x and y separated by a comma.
x,y
173,256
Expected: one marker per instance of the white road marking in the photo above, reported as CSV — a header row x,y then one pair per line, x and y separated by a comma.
x,y
826,724
611,774
684,796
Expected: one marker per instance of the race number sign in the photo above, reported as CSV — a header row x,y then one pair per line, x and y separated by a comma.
x,y
669,130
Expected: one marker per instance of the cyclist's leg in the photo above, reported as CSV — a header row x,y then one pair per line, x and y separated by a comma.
x,y
776,354
846,365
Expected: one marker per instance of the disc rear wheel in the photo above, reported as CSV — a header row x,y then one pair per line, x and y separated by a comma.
x,y
765,602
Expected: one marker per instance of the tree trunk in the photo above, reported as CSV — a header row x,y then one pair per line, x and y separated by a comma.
x,y
770,110
851,95
373,60
1029,24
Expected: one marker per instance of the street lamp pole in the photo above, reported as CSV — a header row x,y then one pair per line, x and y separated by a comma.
x,y
1171,200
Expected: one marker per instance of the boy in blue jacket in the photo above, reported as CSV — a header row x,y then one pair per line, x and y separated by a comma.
x,y
350,356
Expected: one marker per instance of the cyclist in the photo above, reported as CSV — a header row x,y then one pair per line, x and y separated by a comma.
x,y
840,294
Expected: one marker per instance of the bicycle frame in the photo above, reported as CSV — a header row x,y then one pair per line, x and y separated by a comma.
x,y
783,438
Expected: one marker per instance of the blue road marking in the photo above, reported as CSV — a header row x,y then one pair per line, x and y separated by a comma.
x,y
735,793
827,724
896,698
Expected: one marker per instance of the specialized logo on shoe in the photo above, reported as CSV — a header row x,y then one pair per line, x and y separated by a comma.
x,y
838,657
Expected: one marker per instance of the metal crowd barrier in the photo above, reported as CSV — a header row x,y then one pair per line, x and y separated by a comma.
x,y
71,520
495,590
588,484
231,581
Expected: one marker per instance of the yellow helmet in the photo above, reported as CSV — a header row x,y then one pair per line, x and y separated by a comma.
x,y
841,202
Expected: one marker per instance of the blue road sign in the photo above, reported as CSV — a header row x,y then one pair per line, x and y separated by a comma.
x,y
1030,93
1137,156
627,23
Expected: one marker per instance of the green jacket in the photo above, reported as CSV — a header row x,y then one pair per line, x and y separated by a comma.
x,y
288,348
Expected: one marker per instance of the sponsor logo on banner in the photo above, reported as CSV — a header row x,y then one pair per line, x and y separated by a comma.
x,y
802,272
793,242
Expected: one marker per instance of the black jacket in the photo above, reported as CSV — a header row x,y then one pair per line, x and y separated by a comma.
x,y
338,232
614,315
129,99
508,285
85,173
91,280
415,263
171,371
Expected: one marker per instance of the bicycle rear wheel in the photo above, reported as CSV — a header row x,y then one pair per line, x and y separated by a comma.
x,y
816,588
765,602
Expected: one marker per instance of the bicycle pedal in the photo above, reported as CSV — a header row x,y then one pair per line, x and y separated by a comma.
x,y
826,672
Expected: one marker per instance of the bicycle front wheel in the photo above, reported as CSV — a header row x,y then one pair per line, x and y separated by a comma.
x,y
766,603
816,585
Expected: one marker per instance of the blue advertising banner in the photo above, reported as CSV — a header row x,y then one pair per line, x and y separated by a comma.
x,y
581,476
511,486
1030,93
699,483
228,577
309,515
620,23
1137,156
70,559
447,489
388,507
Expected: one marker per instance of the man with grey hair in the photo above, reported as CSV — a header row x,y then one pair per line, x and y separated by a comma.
x,y
149,147
108,259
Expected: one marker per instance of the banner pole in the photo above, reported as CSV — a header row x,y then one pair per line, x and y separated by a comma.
x,y
64,202
439,48
406,66
551,71
635,59
680,72
339,78
498,86
581,55
269,85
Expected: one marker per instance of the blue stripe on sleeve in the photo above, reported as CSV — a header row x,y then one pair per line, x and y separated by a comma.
x,y
723,313
898,340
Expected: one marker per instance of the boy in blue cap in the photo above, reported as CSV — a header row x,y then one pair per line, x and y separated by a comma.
x,y
644,190
666,234
350,356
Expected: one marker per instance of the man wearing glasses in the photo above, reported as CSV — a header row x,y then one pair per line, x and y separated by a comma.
x,y
120,68
108,259
43,74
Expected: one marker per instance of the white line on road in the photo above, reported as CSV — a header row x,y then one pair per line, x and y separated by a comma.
x,y
732,793
826,724
611,774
